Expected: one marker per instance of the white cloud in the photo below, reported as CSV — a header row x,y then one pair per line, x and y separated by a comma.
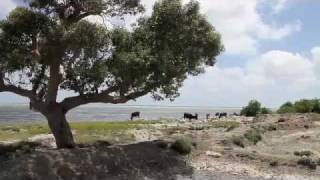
x,y
272,78
6,7
242,26
279,5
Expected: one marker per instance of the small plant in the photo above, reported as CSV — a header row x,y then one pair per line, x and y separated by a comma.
x,y
307,162
303,153
274,163
271,127
197,128
238,140
182,145
253,135
229,125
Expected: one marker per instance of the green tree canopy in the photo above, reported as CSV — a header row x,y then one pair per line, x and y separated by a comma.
x,y
286,108
51,45
252,109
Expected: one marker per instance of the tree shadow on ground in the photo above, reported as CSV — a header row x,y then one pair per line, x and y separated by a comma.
x,y
128,162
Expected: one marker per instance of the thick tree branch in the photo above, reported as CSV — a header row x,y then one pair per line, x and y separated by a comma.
x,y
14,89
103,97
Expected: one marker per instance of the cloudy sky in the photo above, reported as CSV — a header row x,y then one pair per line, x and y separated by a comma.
x,y
272,54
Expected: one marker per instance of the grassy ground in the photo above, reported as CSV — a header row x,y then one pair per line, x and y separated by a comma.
x,y
84,131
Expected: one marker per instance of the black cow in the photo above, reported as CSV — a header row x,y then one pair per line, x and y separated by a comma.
x,y
221,114
135,114
190,116
208,116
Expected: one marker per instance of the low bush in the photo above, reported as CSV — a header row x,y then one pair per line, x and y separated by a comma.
x,y
307,162
238,140
197,128
17,149
253,135
274,163
229,125
182,145
303,153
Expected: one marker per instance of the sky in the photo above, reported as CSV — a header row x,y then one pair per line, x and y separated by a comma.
x,y
272,54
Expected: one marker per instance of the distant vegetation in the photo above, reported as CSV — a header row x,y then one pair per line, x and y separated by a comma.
x,y
301,106
254,108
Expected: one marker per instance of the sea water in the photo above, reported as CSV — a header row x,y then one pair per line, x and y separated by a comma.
x,y
103,112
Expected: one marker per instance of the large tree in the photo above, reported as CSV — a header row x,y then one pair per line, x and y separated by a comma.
x,y
50,45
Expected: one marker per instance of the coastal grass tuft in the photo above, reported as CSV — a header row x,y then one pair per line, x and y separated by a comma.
x,y
182,145
253,135
84,131
229,125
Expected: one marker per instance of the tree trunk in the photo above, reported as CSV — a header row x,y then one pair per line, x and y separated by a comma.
x,y
60,127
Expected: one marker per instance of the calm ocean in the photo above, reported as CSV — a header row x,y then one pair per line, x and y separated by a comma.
x,y
102,112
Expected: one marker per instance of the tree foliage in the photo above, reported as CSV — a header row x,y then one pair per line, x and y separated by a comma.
x,y
51,45
286,108
254,108
156,56
301,106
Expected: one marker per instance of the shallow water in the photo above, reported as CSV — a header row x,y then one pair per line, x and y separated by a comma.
x,y
102,112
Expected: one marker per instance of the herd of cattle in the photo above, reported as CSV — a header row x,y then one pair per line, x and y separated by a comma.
x,y
190,116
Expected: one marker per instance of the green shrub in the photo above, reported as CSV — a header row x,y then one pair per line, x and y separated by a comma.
x,y
182,145
252,110
229,125
265,110
253,135
17,149
307,162
303,106
316,106
238,140
303,153
286,108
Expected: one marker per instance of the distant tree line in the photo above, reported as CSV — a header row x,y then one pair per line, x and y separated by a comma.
x,y
301,106
254,107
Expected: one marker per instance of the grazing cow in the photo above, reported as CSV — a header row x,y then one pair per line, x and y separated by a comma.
x,y
135,114
190,116
223,114
208,116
